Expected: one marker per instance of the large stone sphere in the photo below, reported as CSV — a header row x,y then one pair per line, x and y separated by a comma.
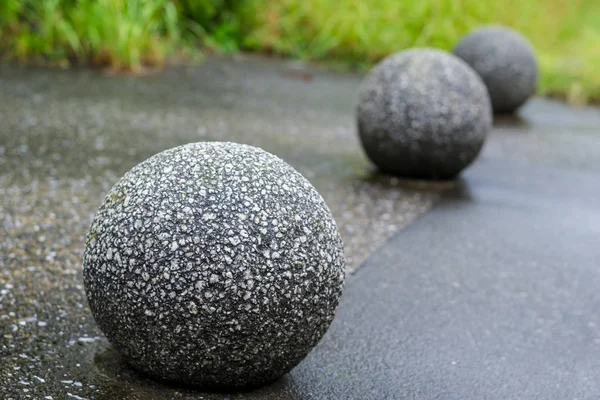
x,y
424,114
506,62
213,264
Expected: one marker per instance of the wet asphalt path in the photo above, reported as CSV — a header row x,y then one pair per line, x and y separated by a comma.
x,y
493,294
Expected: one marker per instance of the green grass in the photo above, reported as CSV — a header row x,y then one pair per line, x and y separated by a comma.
x,y
130,35
125,35
57,31
566,34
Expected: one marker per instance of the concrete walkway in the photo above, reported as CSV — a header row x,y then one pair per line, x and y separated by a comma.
x,y
493,294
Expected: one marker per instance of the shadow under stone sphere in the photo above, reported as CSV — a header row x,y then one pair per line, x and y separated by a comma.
x,y
213,264
506,62
424,114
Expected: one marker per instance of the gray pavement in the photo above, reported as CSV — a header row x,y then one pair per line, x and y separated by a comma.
x,y
493,294
67,136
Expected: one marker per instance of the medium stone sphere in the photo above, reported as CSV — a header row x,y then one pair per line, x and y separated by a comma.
x,y
213,264
506,62
424,114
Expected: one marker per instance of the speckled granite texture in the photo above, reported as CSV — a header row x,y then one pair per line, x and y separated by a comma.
x,y
506,62
214,264
423,113
67,136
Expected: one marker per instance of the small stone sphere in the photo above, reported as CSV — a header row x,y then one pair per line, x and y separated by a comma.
x,y
213,264
424,114
506,62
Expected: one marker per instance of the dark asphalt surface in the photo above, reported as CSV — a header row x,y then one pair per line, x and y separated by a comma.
x,y
493,294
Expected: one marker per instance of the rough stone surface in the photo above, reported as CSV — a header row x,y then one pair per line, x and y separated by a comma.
x,y
214,264
506,62
424,114
66,137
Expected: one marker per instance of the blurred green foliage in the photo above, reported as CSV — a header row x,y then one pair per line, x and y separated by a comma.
x,y
216,22
133,34
121,34
565,34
